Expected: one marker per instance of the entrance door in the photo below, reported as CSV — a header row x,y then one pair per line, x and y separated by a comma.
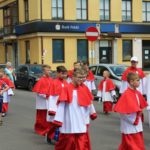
x,y
146,54
146,58
105,55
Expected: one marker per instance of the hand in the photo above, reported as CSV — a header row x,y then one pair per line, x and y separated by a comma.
x,y
145,97
100,99
93,116
115,98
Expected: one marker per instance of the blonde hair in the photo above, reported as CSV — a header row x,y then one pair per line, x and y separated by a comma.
x,y
131,76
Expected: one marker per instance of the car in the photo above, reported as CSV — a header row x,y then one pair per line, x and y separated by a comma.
x,y
115,70
2,66
28,74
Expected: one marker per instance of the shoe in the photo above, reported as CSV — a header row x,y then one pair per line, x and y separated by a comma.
x,y
3,114
49,141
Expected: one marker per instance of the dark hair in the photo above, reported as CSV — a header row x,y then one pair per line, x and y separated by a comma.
x,y
85,63
46,66
61,69
79,71
132,76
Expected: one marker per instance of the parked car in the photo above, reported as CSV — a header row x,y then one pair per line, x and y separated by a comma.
x,y
28,74
2,66
115,74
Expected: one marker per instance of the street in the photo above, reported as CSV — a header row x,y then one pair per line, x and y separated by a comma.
x,y
17,132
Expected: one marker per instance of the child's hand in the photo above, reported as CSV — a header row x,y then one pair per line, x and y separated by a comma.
x,y
1,92
100,99
139,113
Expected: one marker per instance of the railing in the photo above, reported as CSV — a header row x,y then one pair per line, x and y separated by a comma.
x,y
7,31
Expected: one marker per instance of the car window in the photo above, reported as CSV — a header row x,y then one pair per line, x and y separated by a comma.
x,y
23,69
36,69
118,70
93,69
100,70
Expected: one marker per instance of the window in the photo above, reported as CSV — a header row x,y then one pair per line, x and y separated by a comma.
x,y
58,50
27,48
127,50
10,18
146,11
57,9
26,10
126,10
81,9
93,69
82,50
105,10
100,70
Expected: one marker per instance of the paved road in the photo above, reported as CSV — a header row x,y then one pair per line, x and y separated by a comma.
x,y
17,131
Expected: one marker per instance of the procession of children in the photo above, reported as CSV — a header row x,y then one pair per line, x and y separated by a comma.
x,y
65,105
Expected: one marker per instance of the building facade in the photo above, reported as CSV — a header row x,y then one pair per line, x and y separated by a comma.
x,y
53,31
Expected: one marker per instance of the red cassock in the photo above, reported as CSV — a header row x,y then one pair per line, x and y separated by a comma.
x,y
131,103
90,76
73,139
43,85
8,82
11,86
41,126
127,103
134,70
70,73
106,94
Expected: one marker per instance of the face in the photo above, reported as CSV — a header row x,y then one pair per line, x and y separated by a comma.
x,y
62,75
47,71
79,79
135,83
105,74
134,63
77,65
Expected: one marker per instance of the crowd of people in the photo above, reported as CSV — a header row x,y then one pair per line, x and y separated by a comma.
x,y
6,89
65,105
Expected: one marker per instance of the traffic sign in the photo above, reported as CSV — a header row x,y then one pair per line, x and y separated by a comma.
x,y
92,33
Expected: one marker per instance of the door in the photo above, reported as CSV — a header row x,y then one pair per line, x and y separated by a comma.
x,y
105,55
146,58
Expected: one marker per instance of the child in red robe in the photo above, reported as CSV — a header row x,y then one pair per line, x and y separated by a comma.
x,y
3,88
7,94
57,86
130,106
135,69
74,109
106,92
41,88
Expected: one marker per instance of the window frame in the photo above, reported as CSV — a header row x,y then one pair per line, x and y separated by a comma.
x,y
86,51
63,57
104,10
126,11
81,11
131,51
26,10
57,10
145,11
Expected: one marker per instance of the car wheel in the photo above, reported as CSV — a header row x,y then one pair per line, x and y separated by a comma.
x,y
30,85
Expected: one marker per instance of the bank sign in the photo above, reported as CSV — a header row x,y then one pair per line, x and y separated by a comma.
x,y
68,27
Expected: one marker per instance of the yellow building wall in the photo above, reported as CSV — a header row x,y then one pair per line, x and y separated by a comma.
x,y
34,9
70,52
35,50
2,53
137,10
119,51
70,9
116,10
94,10
9,53
46,11
21,11
1,18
